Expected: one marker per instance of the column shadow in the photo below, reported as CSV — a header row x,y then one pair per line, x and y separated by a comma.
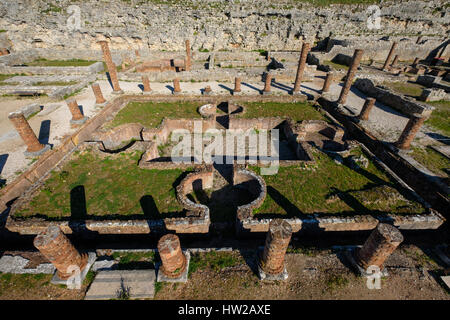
x,y
252,87
226,88
170,88
3,159
44,132
149,207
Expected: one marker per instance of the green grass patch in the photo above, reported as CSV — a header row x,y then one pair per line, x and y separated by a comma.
x,y
334,282
213,260
335,65
407,88
440,116
296,111
90,186
23,281
333,188
60,63
151,114
55,83
432,160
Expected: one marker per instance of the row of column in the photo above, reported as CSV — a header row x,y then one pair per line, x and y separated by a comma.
x,y
57,248
23,128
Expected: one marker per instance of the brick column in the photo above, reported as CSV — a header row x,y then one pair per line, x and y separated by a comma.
x,y
99,99
74,110
173,259
188,55
383,240
410,131
56,247
327,83
207,90
394,62
111,66
25,132
367,107
389,57
267,83
237,84
301,66
146,84
350,75
277,241
176,85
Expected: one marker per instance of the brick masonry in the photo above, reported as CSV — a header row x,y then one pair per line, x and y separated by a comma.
x,y
99,99
383,240
110,65
173,259
301,66
56,247
277,242
350,76
26,133
410,131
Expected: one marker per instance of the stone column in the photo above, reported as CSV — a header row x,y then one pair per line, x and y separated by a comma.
x,y
350,75
301,67
237,85
207,90
77,116
394,62
188,55
367,107
173,259
146,84
111,67
176,86
99,99
277,242
383,240
327,83
389,57
267,83
410,131
56,247
26,133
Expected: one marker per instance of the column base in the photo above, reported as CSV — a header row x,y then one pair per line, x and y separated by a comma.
x,y
37,153
267,93
79,122
262,275
118,92
146,93
101,104
298,94
350,256
92,256
161,277
207,93
176,93
237,93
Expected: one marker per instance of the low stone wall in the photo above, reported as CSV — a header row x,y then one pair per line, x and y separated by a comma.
x,y
256,123
92,69
397,101
116,138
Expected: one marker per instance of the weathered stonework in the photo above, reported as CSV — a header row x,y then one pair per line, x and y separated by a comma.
x,y
350,75
301,66
111,66
99,99
383,240
277,242
367,107
389,57
56,247
327,82
146,84
410,131
25,132
173,259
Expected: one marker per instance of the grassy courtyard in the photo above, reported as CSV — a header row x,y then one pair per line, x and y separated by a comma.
x,y
432,160
60,63
333,188
297,111
440,116
114,186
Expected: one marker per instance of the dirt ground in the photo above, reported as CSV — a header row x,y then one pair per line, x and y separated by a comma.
x,y
313,275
